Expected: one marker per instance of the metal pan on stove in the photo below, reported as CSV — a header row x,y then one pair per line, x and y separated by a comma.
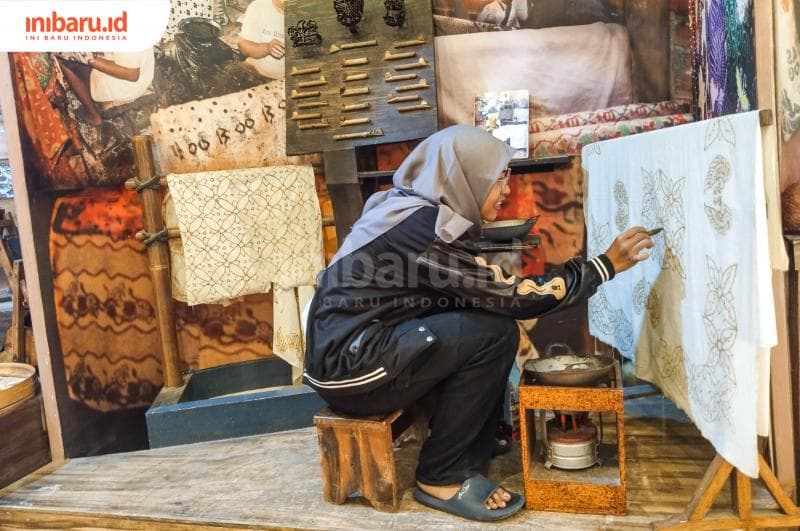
x,y
568,370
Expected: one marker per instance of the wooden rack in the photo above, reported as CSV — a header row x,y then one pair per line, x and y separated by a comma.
x,y
693,517
148,185
13,268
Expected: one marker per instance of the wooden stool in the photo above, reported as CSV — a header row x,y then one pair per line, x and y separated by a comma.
x,y
357,456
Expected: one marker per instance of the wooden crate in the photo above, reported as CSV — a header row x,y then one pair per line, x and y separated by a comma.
x,y
598,490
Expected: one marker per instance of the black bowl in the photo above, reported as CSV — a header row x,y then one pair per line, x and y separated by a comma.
x,y
509,229
200,29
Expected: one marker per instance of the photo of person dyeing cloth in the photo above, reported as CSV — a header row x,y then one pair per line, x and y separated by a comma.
x,y
406,311
109,77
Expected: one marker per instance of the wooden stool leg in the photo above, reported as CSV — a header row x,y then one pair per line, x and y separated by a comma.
x,y
378,482
357,456
337,466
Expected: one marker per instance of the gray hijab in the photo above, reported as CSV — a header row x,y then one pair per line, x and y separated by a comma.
x,y
453,170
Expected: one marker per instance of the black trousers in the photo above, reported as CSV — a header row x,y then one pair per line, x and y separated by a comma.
x,y
466,371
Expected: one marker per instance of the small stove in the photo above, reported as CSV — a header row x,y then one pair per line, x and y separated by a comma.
x,y
572,441
568,463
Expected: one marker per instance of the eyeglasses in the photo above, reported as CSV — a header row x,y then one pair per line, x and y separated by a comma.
x,y
503,180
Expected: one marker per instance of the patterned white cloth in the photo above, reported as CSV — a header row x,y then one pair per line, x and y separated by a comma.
x,y
476,63
699,313
238,130
248,231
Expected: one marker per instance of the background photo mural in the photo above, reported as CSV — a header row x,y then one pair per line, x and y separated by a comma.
x,y
77,118
211,94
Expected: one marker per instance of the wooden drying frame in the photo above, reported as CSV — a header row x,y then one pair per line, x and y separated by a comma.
x,y
693,517
155,236
147,184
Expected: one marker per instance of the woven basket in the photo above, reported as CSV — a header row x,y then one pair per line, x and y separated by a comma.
x,y
17,381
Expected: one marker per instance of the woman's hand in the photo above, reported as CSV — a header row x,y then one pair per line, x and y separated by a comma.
x,y
628,249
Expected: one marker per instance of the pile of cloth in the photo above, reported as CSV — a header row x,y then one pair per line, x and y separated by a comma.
x,y
567,134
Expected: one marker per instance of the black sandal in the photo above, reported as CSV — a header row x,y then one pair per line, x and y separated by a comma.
x,y
470,501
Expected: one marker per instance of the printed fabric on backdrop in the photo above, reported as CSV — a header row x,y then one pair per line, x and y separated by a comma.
x,y
239,130
512,60
787,52
105,314
247,231
724,56
699,313
36,86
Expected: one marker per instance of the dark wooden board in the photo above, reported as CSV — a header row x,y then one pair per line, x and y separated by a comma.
x,y
396,126
25,446
234,400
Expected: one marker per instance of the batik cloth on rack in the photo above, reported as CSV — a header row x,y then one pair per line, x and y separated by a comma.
x,y
251,231
239,130
104,304
699,313
609,115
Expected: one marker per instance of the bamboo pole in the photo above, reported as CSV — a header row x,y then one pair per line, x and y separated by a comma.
x,y
158,258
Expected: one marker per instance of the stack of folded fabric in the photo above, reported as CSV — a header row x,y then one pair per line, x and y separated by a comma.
x,y
566,134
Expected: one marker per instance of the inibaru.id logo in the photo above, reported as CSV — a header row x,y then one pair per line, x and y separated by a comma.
x,y
57,27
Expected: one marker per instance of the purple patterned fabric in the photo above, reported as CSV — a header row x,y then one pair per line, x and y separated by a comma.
x,y
715,52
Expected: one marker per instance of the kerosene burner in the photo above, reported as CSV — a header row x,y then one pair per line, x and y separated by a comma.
x,y
572,441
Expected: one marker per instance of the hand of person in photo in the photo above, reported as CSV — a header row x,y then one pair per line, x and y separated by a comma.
x,y
629,248
276,48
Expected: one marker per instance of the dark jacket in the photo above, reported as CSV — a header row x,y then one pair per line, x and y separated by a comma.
x,y
364,327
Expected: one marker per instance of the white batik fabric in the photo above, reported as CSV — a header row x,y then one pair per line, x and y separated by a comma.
x,y
248,231
698,315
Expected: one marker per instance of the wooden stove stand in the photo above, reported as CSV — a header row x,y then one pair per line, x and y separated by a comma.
x,y
568,495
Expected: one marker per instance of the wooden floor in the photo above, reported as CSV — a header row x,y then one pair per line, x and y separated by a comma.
x,y
273,481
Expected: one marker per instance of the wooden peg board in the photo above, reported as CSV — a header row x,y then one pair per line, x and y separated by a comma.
x,y
326,74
